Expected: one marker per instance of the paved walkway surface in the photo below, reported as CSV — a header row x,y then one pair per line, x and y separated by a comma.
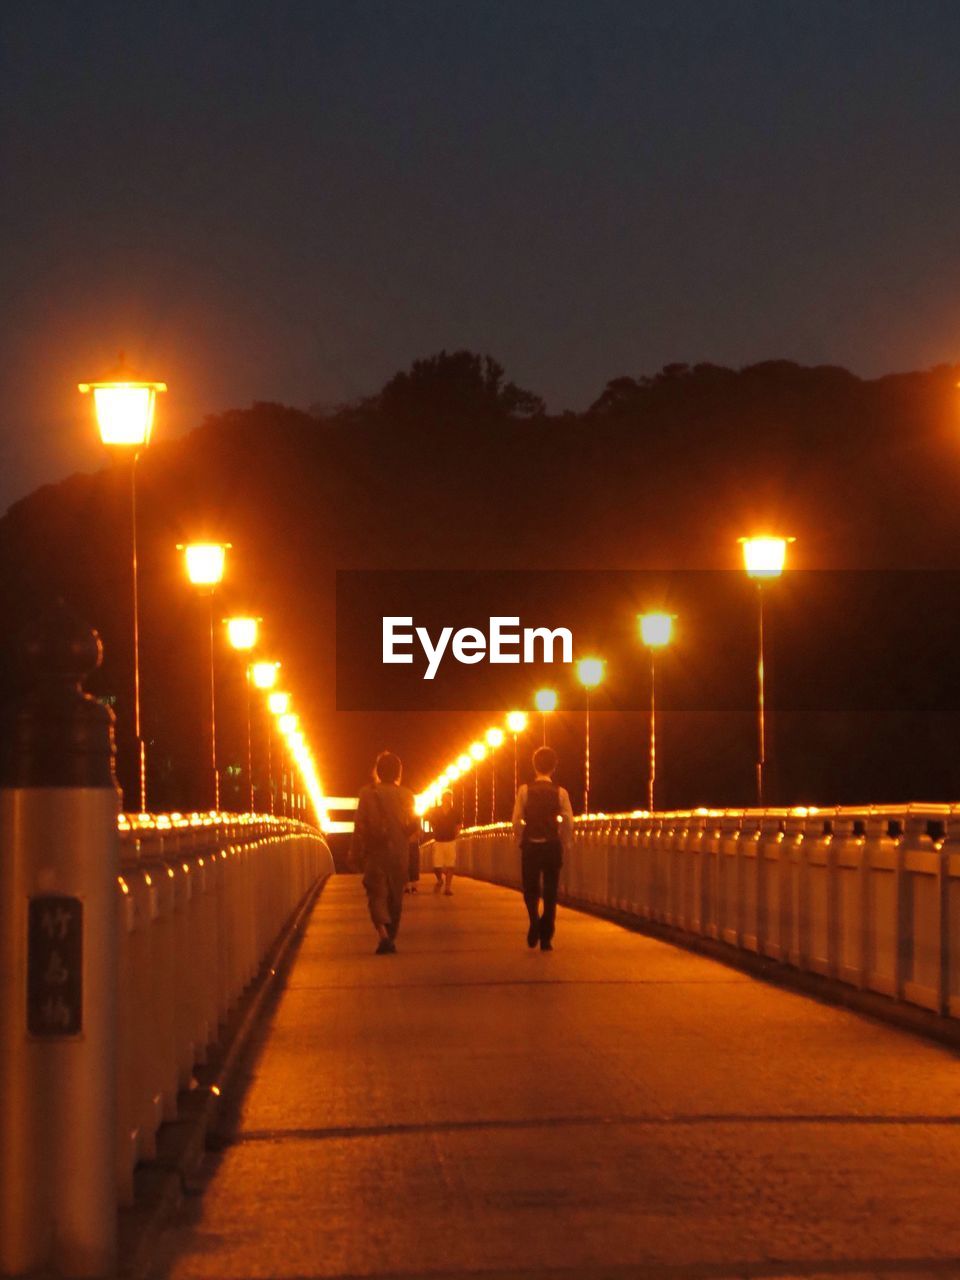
x,y
617,1109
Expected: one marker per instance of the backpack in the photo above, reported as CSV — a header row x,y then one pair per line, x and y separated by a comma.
x,y
541,813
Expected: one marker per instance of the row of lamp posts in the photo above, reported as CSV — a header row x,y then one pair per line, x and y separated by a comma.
x,y
764,558
125,409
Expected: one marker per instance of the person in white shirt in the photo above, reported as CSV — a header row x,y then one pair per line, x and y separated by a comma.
x,y
543,826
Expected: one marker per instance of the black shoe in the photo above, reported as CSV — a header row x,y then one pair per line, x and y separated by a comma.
x,y
533,935
385,947
546,944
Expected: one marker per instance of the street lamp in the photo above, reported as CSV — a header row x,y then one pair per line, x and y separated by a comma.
x,y
242,635
278,704
516,722
494,738
124,407
287,723
478,752
764,558
545,700
205,563
656,632
264,674
589,673
464,764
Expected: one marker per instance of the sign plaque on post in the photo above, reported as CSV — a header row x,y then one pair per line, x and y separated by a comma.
x,y
55,967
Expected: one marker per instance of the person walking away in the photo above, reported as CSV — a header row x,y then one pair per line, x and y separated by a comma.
x,y
445,826
384,827
543,826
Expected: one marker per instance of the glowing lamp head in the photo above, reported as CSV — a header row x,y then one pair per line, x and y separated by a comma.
x,y
464,763
124,406
205,562
545,700
764,557
264,674
517,721
287,723
494,738
242,632
478,751
590,672
278,703
656,629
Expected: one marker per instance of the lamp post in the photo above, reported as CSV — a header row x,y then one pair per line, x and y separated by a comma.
x,y
656,631
125,407
494,739
464,764
545,700
278,704
205,563
763,558
516,722
478,752
589,673
242,636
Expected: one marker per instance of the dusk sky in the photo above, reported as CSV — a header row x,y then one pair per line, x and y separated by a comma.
x,y
291,201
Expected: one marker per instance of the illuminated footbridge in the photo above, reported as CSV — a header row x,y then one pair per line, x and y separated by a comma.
x,y
737,1061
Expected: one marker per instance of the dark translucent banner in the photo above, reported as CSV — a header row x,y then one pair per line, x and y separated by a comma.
x,y
472,641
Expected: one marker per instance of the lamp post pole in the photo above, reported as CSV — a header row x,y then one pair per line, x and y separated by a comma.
x,y
135,574
213,712
249,683
653,730
586,757
761,709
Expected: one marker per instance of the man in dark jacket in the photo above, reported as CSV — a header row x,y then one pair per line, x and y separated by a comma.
x,y
385,825
543,826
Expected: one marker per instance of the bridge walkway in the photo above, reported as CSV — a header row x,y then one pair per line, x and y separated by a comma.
x,y
617,1110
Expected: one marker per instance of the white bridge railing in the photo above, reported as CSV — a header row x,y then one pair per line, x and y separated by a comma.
x,y
202,898
868,897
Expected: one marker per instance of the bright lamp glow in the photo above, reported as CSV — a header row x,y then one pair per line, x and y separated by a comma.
x,y
478,751
264,674
124,410
516,721
764,557
242,632
205,562
278,703
453,773
656,629
494,738
545,700
464,763
590,672
287,723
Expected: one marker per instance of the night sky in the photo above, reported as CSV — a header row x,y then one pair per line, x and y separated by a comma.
x,y
291,201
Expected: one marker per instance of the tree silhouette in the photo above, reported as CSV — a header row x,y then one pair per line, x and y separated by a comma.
x,y
453,387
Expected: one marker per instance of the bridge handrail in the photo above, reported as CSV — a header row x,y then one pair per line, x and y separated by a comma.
x,y
866,896
202,898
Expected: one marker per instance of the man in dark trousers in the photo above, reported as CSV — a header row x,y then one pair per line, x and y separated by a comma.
x,y
543,826
385,825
